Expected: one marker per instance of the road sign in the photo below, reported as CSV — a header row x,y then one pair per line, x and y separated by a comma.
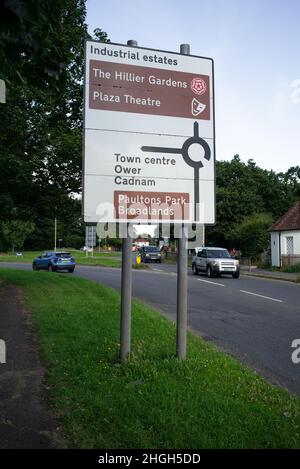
x,y
90,236
149,136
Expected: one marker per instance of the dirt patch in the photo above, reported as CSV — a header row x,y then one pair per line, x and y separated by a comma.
x,y
25,418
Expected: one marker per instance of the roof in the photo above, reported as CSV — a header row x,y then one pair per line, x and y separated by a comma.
x,y
211,248
289,221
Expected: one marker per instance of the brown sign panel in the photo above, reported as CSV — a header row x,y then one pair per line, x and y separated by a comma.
x,y
144,90
164,206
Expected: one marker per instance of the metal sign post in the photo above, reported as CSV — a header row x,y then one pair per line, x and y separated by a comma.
x,y
126,294
126,286
182,284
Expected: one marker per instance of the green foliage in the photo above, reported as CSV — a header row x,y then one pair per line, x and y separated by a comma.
x,y
292,268
41,56
244,189
35,40
251,235
15,232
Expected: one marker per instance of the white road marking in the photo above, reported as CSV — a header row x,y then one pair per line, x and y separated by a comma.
x,y
261,296
213,283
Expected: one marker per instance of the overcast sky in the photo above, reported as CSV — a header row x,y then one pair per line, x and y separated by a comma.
x,y
256,47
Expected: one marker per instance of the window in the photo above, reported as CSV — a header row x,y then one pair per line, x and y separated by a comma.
x,y
218,254
290,245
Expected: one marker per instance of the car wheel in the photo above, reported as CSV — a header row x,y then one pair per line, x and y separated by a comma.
x,y
35,267
236,275
71,270
159,261
209,273
194,269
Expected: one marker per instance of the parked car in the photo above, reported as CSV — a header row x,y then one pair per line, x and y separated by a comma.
x,y
215,261
54,261
150,254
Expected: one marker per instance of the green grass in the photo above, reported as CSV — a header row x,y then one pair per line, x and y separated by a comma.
x,y
171,259
268,267
155,401
288,269
104,259
292,268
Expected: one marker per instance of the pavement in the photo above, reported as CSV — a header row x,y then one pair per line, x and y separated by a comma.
x,y
25,419
276,275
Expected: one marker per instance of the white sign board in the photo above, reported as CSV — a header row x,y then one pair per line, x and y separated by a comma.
x,y
90,236
149,152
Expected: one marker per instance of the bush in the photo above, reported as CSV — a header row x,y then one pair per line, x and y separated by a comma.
x,y
292,268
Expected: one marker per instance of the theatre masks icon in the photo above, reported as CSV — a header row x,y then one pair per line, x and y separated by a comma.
x,y
197,107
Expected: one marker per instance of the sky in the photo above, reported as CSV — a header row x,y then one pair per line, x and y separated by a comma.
x,y
255,45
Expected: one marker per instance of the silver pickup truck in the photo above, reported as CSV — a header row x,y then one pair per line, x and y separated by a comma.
x,y
215,261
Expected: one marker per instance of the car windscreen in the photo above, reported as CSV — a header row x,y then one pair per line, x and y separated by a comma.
x,y
63,255
219,254
151,249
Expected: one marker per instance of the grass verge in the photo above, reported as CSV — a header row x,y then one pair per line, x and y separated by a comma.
x,y
104,259
208,401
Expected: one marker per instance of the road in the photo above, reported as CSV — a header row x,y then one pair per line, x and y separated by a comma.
x,y
254,319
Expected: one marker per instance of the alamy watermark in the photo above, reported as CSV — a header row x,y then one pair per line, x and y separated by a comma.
x,y
296,353
2,351
171,218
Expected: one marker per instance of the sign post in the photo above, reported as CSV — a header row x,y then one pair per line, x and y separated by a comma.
x,y
126,287
182,280
126,294
149,154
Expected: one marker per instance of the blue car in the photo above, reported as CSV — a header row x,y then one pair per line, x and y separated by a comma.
x,y
54,261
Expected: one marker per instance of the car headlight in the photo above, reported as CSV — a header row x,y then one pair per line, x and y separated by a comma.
x,y
147,255
215,263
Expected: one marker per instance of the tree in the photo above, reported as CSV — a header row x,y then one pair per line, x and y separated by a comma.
x,y
15,232
33,40
251,235
41,57
244,189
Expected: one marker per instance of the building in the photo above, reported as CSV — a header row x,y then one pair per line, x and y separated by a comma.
x,y
139,243
285,238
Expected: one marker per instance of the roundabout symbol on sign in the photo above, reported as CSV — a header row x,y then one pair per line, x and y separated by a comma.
x,y
196,164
